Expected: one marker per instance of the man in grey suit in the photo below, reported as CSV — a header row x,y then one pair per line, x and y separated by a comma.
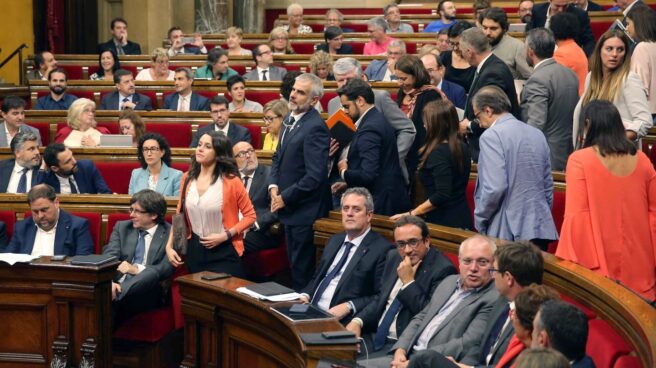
x,y
514,189
549,96
264,71
454,320
140,244
348,68
13,114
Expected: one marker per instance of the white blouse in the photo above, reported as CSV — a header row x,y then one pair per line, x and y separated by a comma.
x,y
205,211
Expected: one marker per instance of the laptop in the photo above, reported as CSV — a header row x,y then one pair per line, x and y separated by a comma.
x,y
115,140
517,27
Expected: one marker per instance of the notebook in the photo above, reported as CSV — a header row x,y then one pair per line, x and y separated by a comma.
x,y
92,259
341,127
318,339
269,288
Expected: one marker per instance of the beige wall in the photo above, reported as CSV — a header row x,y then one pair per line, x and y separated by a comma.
x,y
17,28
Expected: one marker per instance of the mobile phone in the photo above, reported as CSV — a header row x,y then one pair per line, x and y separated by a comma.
x,y
59,257
299,308
214,276
337,334
187,40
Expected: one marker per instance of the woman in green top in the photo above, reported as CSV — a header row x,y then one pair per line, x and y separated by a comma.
x,y
217,66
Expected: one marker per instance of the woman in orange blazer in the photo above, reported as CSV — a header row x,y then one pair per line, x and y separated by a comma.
x,y
215,195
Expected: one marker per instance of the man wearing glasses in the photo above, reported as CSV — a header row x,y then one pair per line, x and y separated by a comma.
x,y
69,176
139,243
264,70
220,113
383,70
454,320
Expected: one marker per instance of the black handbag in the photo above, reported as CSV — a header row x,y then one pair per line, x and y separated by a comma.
x,y
179,225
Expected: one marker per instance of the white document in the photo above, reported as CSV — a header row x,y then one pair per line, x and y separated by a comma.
x,y
273,298
12,258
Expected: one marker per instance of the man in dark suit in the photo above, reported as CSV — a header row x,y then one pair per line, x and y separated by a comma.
x,y
140,243
50,230
455,93
119,42
299,175
587,5
412,272
490,70
543,12
220,114
256,180
350,271
179,47
373,159
184,99
19,174
69,176
264,70
562,326
125,97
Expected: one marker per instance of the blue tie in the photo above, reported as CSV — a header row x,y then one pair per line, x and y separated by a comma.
x,y
495,332
331,275
383,329
22,182
141,248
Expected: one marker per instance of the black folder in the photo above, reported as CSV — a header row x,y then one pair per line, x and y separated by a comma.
x,y
269,289
318,339
92,259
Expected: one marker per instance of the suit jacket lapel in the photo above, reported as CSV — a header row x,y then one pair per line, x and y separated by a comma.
x,y
80,180
163,179
156,244
363,248
467,301
256,181
63,226
131,243
6,175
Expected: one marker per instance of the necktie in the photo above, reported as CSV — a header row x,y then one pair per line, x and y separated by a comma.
x,y
71,182
141,248
383,328
288,128
264,75
246,179
331,275
119,50
22,182
495,332
125,99
183,104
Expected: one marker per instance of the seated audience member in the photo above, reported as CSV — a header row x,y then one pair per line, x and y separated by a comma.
x,y
334,45
587,5
279,42
443,40
525,11
184,99
3,237
125,96
264,70
549,96
57,99
514,189
377,27
321,65
179,47
383,70
156,173
274,112
454,319
642,28
233,41
565,27
512,51
543,13
392,15
563,327
44,62
139,243
119,42
69,176
13,116
479,7
444,167
108,64
335,18
130,123
295,17
50,230
237,91
411,274
256,181
217,66
19,174
436,70
542,358
457,68
359,249
372,161
159,67
446,9
220,114
81,130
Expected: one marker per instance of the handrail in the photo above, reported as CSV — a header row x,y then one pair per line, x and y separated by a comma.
x,y
19,51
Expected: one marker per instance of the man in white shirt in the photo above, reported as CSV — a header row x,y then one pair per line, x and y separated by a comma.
x,y
184,99
19,174
264,70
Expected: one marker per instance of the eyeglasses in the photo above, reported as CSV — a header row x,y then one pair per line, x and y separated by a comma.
x,y
481,262
216,112
150,149
492,271
241,154
454,44
412,243
134,210
269,119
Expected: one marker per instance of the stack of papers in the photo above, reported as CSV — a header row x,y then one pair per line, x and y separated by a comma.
x,y
272,298
271,291
12,258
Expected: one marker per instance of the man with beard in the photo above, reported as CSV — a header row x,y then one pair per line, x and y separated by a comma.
x,y
13,114
509,49
220,114
50,230
58,99
255,178
19,174
447,11
69,176
299,175
525,11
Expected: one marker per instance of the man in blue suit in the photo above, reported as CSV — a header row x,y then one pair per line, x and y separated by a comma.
x,y
19,174
373,159
184,99
383,69
514,190
454,92
220,114
299,175
69,176
50,230
125,96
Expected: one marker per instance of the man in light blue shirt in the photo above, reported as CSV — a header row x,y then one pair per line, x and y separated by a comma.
x,y
447,11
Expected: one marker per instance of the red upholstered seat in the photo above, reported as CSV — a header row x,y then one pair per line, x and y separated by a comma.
x,y
599,27
153,98
303,48
112,219
627,361
9,218
149,326
358,47
241,69
327,96
604,344
356,27
262,97
176,298
267,262
44,131
112,126
184,167
73,71
178,135
588,312
469,193
207,94
558,213
256,135
117,174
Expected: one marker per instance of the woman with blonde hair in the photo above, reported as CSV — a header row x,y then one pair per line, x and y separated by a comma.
x,y
81,130
274,112
130,123
279,41
159,70
233,40
321,65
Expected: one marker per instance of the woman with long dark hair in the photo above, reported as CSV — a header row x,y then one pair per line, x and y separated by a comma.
x,y
156,173
642,28
108,64
214,196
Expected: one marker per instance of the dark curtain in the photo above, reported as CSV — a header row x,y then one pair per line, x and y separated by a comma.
x,y
65,26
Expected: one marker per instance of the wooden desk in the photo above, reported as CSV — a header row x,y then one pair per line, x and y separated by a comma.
x,y
55,314
226,329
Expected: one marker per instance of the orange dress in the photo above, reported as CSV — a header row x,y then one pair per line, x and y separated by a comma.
x,y
610,221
